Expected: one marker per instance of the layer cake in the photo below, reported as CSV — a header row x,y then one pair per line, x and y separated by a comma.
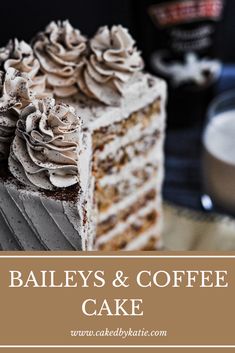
x,y
82,127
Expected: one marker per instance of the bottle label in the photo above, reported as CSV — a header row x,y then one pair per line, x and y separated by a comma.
x,y
187,29
179,12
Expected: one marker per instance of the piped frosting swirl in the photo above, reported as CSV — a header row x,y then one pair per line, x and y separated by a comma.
x,y
46,147
111,63
60,50
15,94
19,55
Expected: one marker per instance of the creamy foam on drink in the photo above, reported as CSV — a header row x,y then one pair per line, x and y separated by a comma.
x,y
219,159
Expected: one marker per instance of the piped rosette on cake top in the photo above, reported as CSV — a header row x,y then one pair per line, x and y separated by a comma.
x,y
112,61
99,67
14,96
63,63
61,51
45,151
46,137
20,83
20,56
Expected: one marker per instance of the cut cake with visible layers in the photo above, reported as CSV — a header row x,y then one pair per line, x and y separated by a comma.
x,y
81,143
128,164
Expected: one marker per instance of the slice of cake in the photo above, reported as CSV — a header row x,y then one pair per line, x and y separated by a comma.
x,y
107,197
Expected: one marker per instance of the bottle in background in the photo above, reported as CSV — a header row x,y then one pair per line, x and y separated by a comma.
x,y
178,38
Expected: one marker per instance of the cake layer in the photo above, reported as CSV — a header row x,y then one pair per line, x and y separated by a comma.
x,y
129,202
153,235
114,162
113,188
113,218
126,163
152,159
155,183
151,244
120,241
134,218
142,118
109,194
135,133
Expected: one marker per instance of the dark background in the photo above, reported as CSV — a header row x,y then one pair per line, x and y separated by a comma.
x,y
24,18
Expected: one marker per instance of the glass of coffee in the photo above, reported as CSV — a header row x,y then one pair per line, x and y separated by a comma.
x,y
218,162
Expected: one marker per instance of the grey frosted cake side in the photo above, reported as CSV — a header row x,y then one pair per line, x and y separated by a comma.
x,y
31,220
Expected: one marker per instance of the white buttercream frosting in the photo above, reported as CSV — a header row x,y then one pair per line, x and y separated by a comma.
x,y
60,50
19,55
112,62
46,148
